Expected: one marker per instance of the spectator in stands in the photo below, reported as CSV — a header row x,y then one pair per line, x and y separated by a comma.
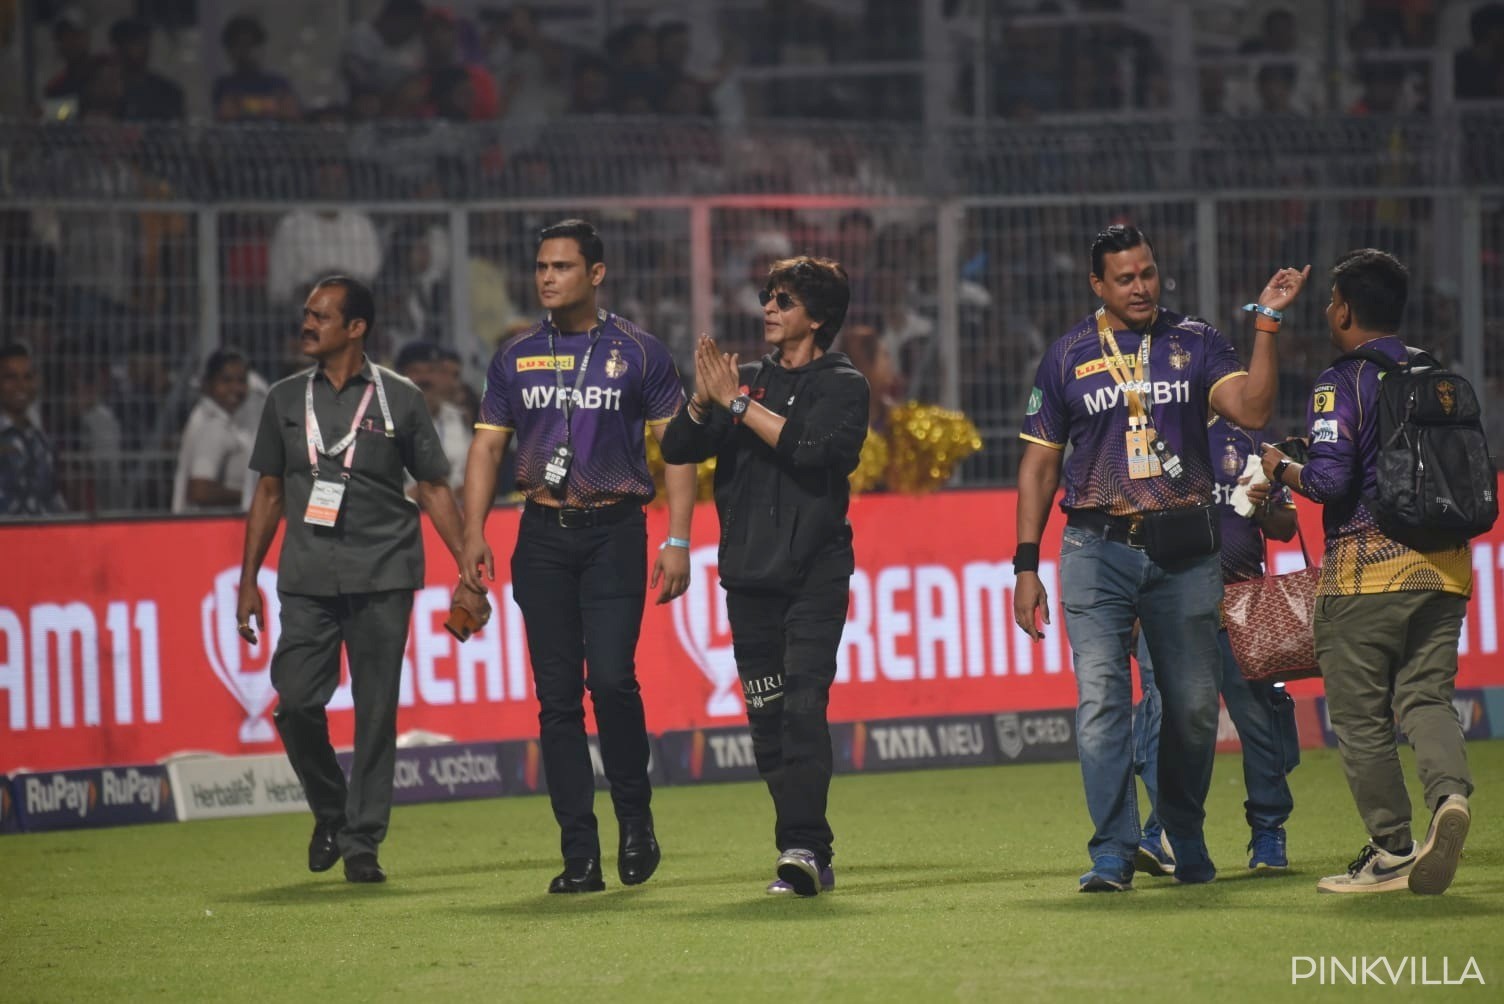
x,y
307,244
1383,87
148,96
92,434
28,462
590,93
636,80
248,92
1276,88
379,54
528,66
1212,85
441,53
70,37
424,363
1478,71
1278,36
215,452
409,288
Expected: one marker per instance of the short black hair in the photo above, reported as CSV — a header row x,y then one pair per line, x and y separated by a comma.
x,y
581,233
129,29
1117,237
821,284
220,358
14,350
403,8
417,352
1375,285
1486,20
242,25
359,304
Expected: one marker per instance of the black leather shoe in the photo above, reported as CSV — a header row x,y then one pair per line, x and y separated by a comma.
x,y
579,875
323,848
363,868
639,854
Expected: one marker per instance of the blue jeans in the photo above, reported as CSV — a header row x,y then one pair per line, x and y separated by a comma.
x,y
1104,586
1264,715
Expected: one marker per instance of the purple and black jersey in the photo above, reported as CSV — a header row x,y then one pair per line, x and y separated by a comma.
x,y
631,382
1076,400
1342,468
1242,540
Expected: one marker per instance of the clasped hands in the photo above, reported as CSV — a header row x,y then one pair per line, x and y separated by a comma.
x,y
717,375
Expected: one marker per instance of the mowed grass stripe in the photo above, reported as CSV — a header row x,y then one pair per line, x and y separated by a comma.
x,y
951,884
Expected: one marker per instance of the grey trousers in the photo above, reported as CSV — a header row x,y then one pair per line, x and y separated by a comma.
x,y
1388,655
305,672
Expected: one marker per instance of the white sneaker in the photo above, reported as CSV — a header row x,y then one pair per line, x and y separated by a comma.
x,y
1375,870
1436,863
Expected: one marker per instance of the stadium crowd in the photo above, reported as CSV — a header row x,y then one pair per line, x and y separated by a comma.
x,y
108,302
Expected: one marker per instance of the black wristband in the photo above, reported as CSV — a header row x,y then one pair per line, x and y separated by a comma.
x,y
1279,474
1026,558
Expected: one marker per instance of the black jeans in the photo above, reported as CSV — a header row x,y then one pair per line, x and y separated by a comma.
x,y
785,644
305,670
581,592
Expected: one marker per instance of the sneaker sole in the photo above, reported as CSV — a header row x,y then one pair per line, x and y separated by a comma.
x,y
1265,868
1388,885
1436,866
801,881
1147,864
1099,884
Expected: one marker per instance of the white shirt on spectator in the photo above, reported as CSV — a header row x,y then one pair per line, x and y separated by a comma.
x,y
369,64
307,246
214,448
454,436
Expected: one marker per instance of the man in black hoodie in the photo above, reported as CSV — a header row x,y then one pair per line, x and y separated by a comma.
x,y
786,432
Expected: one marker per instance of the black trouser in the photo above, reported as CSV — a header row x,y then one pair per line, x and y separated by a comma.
x,y
305,671
785,644
581,592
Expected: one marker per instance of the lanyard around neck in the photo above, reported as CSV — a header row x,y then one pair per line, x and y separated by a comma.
x,y
1131,374
346,444
566,399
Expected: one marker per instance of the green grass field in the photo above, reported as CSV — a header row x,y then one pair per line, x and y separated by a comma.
x,y
954,884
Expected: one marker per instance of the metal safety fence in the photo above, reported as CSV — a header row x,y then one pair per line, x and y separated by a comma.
x,y
123,279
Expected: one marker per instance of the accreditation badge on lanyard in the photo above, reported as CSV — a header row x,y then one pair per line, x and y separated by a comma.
x,y
1148,455
327,497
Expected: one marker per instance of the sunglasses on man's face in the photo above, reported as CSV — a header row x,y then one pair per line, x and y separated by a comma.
x,y
784,301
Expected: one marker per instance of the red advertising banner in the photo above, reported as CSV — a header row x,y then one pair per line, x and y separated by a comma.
x,y
118,641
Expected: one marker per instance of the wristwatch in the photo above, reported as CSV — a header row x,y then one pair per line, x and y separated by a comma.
x,y
739,406
1279,473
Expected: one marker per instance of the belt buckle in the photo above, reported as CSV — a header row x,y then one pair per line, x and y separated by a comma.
x,y
563,517
1135,531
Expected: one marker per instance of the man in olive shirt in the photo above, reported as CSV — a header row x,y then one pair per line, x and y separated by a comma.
x,y
331,450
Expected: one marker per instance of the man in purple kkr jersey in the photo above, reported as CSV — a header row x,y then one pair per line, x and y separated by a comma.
x,y
1129,389
577,390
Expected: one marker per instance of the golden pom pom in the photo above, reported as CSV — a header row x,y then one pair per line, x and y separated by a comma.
x,y
926,442
873,463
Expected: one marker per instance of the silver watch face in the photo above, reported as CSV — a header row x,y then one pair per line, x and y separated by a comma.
x,y
739,405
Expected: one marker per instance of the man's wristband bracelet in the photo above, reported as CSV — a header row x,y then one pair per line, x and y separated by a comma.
x,y
1026,558
675,542
1269,312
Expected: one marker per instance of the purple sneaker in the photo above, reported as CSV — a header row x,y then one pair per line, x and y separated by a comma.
x,y
797,875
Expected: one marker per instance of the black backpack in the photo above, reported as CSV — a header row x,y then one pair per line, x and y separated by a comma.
x,y
1437,487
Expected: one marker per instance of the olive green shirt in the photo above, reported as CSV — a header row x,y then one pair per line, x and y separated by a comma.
x,y
376,543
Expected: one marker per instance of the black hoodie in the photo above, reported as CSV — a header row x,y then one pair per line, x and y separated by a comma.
x,y
781,506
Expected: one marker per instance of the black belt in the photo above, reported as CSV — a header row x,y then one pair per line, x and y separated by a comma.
x,y
582,519
1118,529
